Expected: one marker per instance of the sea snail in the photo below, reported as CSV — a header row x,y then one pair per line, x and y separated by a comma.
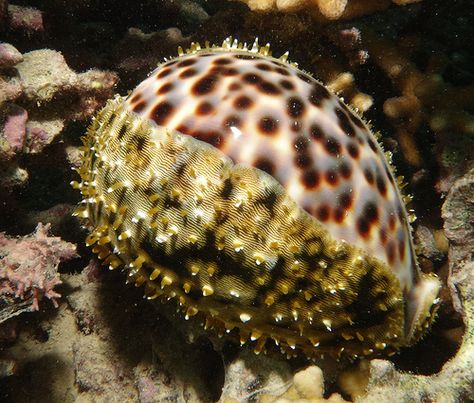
x,y
240,186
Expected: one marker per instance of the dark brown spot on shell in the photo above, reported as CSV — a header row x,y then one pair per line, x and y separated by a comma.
x,y
372,145
247,57
187,62
269,88
251,78
295,107
214,138
282,71
381,185
264,66
363,227
332,177
295,126
369,176
210,137
316,132
190,72
164,72
229,71
161,112
204,108
356,120
139,107
322,213
167,87
221,61
135,98
268,125
339,215
183,129
205,85
345,169
391,221
401,248
390,249
353,150
265,165
383,236
287,84
243,102
344,200
235,86
305,78
345,123
332,146
311,178
301,144
216,70
303,160
318,94
371,212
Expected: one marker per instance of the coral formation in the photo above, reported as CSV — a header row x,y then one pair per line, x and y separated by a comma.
x,y
28,270
424,98
326,9
27,20
45,77
40,93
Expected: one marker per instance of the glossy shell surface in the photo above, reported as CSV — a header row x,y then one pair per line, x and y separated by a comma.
x,y
239,185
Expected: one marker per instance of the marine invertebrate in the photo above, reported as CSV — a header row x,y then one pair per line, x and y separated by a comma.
x,y
239,185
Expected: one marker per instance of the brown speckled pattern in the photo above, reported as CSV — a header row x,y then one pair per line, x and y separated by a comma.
x,y
265,113
285,226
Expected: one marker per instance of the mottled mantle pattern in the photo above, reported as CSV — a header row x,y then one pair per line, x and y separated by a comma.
x,y
310,248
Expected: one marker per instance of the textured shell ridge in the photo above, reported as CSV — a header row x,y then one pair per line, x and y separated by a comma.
x,y
259,245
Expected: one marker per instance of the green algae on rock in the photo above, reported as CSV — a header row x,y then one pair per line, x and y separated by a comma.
x,y
240,186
